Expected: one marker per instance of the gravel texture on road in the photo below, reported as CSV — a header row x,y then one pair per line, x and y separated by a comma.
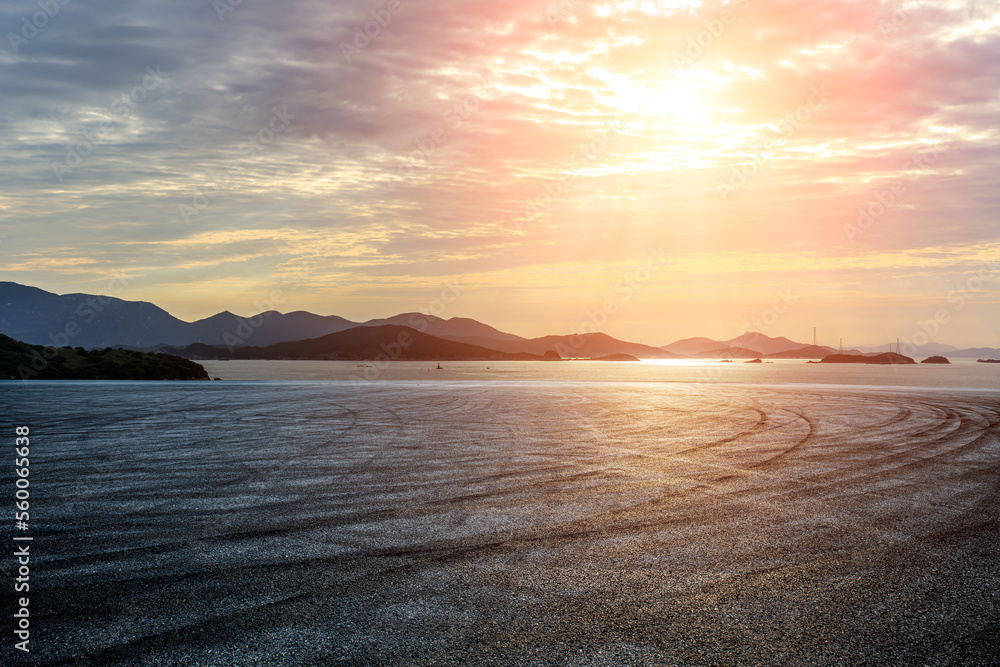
x,y
455,523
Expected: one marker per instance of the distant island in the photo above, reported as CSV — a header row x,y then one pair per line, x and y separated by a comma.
x,y
884,358
388,342
21,361
95,322
617,357
935,360
988,361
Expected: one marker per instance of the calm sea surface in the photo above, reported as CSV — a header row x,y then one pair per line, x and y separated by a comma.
x,y
959,374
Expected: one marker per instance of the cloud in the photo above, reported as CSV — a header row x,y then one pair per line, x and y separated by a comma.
x,y
414,151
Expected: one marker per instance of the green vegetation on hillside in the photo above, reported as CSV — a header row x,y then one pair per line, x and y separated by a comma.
x,y
21,361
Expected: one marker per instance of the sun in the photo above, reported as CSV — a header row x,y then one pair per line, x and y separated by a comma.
x,y
677,96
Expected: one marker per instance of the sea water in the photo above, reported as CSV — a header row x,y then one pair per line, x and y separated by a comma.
x,y
960,373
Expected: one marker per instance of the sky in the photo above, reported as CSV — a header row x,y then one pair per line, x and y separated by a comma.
x,y
654,169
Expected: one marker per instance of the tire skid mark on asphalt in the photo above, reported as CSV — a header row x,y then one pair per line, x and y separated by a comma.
x,y
940,437
124,415
810,435
865,475
558,481
866,445
255,473
933,439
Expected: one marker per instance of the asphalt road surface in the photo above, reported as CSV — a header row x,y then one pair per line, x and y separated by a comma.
x,y
459,523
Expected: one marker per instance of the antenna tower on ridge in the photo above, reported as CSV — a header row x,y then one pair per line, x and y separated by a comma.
x,y
814,335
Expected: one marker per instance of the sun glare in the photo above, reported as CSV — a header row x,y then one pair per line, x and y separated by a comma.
x,y
675,97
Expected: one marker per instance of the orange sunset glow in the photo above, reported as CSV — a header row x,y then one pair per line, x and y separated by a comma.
x,y
357,157
542,332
